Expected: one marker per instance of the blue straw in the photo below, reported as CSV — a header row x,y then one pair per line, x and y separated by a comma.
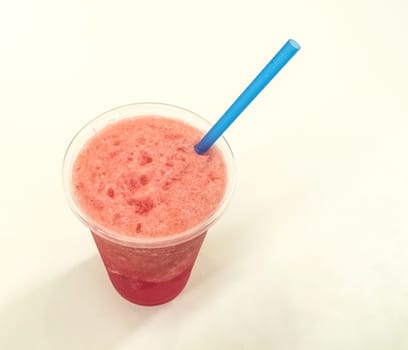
x,y
254,88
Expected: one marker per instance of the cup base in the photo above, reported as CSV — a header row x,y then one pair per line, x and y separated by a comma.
x,y
149,293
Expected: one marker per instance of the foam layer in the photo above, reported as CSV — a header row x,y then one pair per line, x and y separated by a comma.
x,y
142,177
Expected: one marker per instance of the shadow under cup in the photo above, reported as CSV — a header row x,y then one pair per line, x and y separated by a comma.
x,y
146,271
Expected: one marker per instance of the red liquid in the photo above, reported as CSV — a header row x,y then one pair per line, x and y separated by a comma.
x,y
149,293
149,276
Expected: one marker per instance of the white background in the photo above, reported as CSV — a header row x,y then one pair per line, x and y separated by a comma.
x,y
311,254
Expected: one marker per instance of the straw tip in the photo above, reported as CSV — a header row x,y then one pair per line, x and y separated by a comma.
x,y
198,149
294,44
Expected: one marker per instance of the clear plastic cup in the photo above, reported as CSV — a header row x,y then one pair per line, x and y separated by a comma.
x,y
146,271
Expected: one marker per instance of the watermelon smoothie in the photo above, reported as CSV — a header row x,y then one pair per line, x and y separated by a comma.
x,y
133,177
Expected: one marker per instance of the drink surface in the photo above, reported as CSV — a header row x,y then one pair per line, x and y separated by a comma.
x,y
141,177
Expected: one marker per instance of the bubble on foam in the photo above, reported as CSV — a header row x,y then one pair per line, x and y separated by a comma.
x,y
144,158
110,192
97,204
166,185
141,206
144,180
113,154
172,136
134,181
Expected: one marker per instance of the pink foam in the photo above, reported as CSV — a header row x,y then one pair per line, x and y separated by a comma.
x,y
142,177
